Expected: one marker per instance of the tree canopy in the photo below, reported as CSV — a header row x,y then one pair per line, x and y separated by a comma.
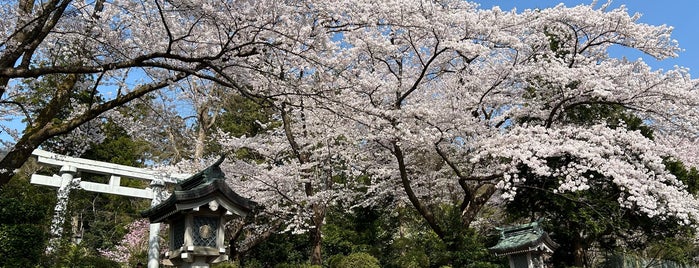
x,y
440,105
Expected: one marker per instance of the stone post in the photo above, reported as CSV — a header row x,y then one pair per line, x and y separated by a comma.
x,y
157,185
68,182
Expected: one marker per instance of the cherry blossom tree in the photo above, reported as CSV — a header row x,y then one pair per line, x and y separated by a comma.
x,y
449,101
118,51
443,103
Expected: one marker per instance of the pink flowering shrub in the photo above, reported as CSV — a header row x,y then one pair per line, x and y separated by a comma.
x,y
134,243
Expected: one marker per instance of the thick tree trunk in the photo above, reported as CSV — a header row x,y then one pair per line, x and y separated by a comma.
x,y
316,234
423,210
316,243
21,152
473,202
206,122
475,196
472,206
579,253
14,159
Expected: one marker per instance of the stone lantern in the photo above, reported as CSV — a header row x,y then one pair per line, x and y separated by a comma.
x,y
526,245
197,211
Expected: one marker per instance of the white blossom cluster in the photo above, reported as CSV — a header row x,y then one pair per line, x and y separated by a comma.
x,y
290,188
627,159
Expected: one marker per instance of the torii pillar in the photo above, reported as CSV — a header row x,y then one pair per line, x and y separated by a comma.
x,y
157,186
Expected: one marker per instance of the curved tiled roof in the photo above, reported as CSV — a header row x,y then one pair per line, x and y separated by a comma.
x,y
199,189
523,238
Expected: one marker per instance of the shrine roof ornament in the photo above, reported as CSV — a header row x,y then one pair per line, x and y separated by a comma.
x,y
523,238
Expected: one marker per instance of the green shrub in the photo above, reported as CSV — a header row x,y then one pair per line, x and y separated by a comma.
x,y
227,264
481,264
359,260
296,265
96,262
335,260
251,263
20,245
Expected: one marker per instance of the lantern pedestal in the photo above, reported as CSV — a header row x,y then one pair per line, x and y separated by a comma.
x,y
198,262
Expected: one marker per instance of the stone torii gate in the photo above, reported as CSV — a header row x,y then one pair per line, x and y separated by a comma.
x,y
66,181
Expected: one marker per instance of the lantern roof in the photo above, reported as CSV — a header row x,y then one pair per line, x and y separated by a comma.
x,y
202,188
523,238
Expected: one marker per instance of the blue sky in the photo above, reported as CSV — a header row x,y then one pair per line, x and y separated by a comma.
x,y
683,15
